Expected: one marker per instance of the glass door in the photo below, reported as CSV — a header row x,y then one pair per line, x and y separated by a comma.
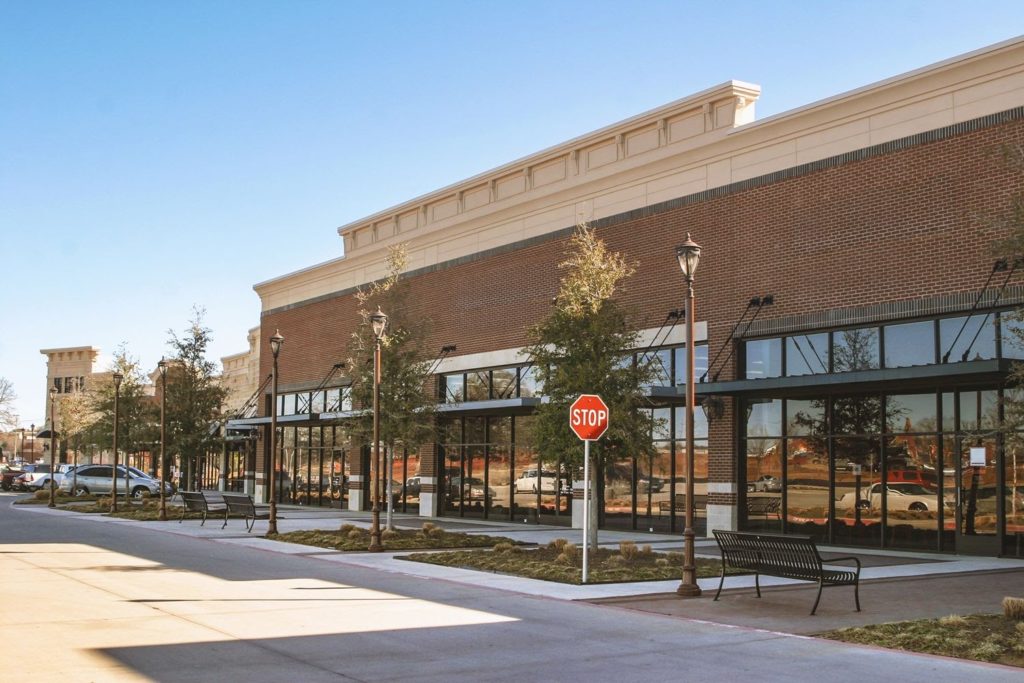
x,y
977,500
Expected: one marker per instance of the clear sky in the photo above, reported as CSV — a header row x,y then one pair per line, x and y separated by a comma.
x,y
155,156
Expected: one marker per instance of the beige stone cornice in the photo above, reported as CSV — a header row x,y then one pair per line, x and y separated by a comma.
x,y
698,143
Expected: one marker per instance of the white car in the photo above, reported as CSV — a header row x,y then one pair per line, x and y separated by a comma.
x,y
529,482
900,496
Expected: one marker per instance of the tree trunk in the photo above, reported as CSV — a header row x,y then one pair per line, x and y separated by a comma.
x,y
391,496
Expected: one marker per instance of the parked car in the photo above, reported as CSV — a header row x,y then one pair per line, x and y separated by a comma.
x,y
766,483
900,496
7,476
29,475
88,479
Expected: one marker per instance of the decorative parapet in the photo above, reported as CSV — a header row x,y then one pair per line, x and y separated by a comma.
x,y
683,123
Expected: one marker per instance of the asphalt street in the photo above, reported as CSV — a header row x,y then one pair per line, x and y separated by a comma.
x,y
96,600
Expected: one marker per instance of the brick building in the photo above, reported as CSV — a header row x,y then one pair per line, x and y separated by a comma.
x,y
852,339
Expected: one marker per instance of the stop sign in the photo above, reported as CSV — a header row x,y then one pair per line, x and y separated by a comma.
x,y
588,417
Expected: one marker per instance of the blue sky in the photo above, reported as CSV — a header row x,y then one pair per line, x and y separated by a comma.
x,y
155,156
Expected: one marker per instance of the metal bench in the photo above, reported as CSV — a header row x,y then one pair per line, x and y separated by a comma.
x,y
200,501
700,502
785,556
242,504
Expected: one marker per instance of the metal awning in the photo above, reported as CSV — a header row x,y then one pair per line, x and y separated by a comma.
x,y
900,379
501,406
241,423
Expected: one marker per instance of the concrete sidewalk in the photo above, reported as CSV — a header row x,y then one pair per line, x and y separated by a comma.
x,y
895,585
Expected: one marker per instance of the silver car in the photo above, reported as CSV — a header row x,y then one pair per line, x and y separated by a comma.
x,y
86,479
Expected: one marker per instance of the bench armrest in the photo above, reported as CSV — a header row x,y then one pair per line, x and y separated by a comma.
x,y
830,560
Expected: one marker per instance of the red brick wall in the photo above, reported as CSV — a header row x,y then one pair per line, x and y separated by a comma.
x,y
903,225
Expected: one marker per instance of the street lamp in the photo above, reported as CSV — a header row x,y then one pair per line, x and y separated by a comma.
x,y
275,348
162,365
116,377
53,448
379,324
32,444
688,254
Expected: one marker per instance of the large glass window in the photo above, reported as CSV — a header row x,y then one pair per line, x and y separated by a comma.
x,y
967,338
807,354
529,382
454,388
478,385
764,417
764,358
855,350
700,363
1012,334
910,344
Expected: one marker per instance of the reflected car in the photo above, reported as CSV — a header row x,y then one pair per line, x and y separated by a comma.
x,y
765,483
529,482
899,496
647,483
472,489
412,487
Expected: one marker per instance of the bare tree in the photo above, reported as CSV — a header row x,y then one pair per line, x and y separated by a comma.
x,y
8,418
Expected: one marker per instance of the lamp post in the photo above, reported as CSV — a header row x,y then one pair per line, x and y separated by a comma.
x,y
275,348
379,324
688,254
162,365
53,447
116,378
32,444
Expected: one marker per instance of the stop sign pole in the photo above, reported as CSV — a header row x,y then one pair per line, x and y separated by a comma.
x,y
588,419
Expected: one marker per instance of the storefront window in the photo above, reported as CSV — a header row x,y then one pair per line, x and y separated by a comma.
x,y
503,383
700,363
805,417
807,354
911,413
855,350
478,385
454,388
764,358
764,418
529,382
910,344
967,338
1012,335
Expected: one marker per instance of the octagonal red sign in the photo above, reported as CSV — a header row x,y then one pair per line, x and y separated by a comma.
x,y
588,417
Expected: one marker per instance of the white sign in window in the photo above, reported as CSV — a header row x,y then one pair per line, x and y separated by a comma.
x,y
977,457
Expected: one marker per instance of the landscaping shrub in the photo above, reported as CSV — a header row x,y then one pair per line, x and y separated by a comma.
x,y
42,494
388,534
558,544
345,528
1013,608
355,534
628,550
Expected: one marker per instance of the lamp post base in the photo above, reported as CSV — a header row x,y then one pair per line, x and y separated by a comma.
x,y
375,545
688,590
272,522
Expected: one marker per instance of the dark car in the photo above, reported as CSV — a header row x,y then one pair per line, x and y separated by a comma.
x,y
7,477
646,483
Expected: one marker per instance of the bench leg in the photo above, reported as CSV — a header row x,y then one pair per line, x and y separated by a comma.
x,y
757,583
225,520
204,519
818,599
856,594
249,525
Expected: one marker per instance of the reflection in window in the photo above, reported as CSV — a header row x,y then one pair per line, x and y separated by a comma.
x,y
855,350
700,363
659,365
979,411
529,382
910,344
807,354
910,413
970,338
478,385
661,424
454,388
503,382
764,417
1012,333
805,417
700,424
764,358
857,414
